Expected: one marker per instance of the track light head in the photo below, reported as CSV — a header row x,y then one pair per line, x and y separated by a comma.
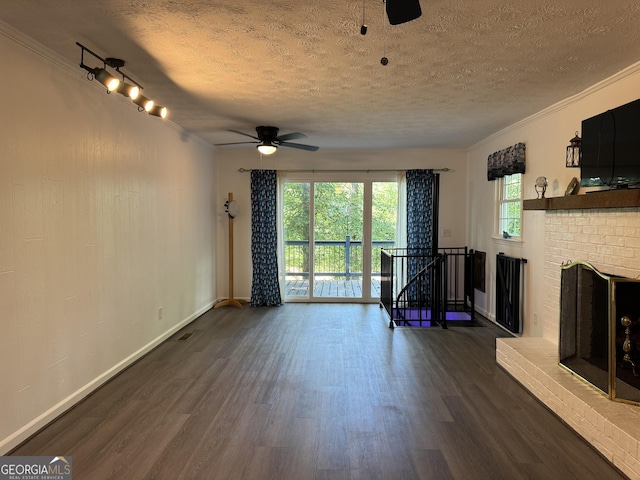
x,y
143,103
159,111
128,90
106,78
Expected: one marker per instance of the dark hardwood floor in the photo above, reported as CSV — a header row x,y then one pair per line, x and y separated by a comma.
x,y
322,391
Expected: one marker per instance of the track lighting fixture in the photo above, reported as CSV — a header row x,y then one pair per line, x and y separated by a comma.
x,y
129,89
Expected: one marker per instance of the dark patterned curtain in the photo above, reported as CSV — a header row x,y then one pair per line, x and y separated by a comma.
x,y
265,289
506,162
420,186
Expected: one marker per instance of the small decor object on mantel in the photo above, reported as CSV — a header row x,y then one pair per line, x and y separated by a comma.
x,y
574,152
573,187
541,186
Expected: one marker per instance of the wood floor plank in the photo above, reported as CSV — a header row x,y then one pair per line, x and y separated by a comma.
x,y
317,391
431,464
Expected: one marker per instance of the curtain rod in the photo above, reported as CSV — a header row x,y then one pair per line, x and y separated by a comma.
x,y
373,170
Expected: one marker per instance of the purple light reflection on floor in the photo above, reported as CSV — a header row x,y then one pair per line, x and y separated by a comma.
x,y
413,317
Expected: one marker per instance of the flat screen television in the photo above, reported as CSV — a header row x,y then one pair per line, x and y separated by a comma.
x,y
611,148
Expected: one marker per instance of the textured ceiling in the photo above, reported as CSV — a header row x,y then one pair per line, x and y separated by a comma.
x,y
459,73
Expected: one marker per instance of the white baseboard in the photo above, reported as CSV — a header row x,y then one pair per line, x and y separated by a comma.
x,y
15,439
485,314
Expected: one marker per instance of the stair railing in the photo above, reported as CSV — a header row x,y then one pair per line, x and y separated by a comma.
x,y
444,285
425,293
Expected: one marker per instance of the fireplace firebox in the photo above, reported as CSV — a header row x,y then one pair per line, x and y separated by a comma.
x,y
600,330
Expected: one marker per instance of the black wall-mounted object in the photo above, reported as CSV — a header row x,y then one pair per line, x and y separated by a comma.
x,y
508,292
479,272
402,11
610,148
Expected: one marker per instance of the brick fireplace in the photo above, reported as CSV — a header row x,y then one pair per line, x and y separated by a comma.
x,y
608,238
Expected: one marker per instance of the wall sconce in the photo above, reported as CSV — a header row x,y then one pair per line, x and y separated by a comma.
x,y
574,152
131,89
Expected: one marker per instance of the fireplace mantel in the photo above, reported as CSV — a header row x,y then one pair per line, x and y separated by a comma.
x,y
609,199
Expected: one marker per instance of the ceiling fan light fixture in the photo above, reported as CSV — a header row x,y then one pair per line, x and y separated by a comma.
x,y
267,148
268,141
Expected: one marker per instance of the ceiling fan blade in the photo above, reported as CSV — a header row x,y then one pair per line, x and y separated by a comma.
x,y
242,133
310,148
234,143
291,136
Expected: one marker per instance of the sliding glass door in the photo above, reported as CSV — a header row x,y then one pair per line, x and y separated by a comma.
x,y
337,239
333,231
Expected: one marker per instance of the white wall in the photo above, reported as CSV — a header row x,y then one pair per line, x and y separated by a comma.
x,y
546,135
105,218
453,197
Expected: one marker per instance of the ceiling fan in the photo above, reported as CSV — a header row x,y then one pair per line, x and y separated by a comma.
x,y
268,140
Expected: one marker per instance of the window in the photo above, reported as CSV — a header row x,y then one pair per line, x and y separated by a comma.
x,y
509,206
334,228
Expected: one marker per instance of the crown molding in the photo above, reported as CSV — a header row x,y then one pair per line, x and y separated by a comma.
x,y
36,48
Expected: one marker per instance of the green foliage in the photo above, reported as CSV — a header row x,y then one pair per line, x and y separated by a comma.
x,y
338,213
296,211
339,210
510,208
384,211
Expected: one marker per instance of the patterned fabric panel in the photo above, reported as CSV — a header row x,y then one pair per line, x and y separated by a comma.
x,y
506,162
419,226
265,288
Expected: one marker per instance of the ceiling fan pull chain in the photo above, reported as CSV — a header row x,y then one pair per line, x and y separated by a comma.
x,y
384,60
363,27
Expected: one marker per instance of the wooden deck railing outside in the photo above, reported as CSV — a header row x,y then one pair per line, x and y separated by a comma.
x,y
338,268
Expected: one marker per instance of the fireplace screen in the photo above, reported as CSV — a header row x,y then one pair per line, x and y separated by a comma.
x,y
600,330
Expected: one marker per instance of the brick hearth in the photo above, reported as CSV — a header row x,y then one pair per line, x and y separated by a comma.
x,y
610,240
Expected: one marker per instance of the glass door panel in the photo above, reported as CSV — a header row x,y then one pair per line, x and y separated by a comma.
x,y
337,244
384,214
297,208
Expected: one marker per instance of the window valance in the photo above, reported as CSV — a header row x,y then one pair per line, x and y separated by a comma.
x,y
506,162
